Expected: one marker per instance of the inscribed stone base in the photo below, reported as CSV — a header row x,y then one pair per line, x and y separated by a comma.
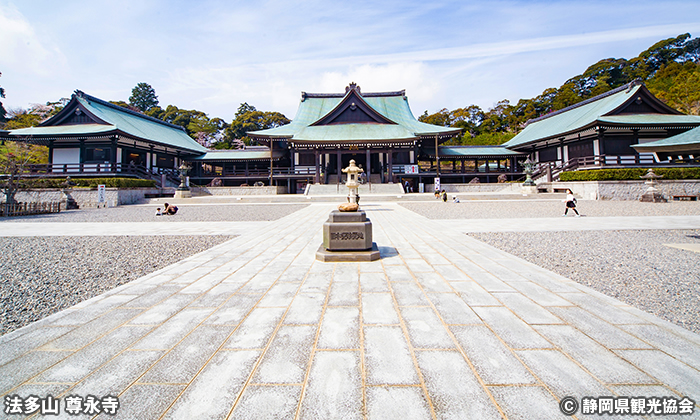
x,y
371,254
182,194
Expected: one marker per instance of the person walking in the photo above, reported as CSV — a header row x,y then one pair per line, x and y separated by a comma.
x,y
570,203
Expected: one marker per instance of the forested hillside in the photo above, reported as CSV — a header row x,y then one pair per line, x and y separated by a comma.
x,y
669,68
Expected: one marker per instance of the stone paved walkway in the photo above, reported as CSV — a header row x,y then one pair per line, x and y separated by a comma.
x,y
443,326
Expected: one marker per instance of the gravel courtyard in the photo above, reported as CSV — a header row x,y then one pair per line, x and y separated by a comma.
x,y
631,265
43,275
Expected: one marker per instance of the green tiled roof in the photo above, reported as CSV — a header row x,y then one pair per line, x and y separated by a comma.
x,y
240,154
117,120
473,152
64,130
651,119
570,120
689,138
139,125
393,106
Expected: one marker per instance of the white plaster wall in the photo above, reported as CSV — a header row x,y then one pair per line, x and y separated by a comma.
x,y
66,156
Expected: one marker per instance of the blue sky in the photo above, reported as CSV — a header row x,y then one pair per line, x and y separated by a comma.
x,y
212,55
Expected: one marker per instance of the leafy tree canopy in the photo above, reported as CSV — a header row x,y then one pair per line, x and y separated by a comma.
x,y
3,112
143,97
248,118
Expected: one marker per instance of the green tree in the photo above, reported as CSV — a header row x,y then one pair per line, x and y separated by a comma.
x,y
143,97
3,112
248,118
22,119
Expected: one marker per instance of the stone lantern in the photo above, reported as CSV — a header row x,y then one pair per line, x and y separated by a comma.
x,y
652,194
183,191
347,234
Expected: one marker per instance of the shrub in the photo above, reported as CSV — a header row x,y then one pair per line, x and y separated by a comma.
x,y
628,174
88,183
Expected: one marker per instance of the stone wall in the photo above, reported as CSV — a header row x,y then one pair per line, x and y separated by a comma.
x,y
628,190
507,187
85,197
265,190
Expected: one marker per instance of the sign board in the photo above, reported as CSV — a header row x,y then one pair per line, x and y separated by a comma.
x,y
437,184
187,181
100,193
410,169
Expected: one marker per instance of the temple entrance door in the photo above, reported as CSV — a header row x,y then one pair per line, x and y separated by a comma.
x,y
360,159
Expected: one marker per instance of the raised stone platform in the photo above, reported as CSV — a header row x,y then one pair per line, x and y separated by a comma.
x,y
371,254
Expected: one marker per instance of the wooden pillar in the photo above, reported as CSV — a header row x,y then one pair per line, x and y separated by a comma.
x,y
317,177
462,165
601,144
437,158
51,151
368,160
114,154
340,165
82,154
390,171
272,144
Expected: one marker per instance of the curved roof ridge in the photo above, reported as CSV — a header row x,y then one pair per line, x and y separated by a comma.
x,y
84,95
636,82
402,92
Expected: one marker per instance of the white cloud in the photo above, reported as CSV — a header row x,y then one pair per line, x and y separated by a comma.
x,y
23,48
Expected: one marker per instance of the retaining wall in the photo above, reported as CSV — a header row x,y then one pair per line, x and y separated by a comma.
x,y
85,197
628,190
265,190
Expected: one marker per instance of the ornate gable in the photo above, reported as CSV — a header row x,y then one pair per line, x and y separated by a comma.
x,y
644,103
353,109
73,114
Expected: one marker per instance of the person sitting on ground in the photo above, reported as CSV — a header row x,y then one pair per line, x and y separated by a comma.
x,y
158,212
170,210
437,193
455,199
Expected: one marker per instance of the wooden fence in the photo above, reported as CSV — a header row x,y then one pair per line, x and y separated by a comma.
x,y
25,209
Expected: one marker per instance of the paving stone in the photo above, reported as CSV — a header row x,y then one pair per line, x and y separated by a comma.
x,y
425,329
526,309
163,310
678,347
473,294
280,295
214,391
334,388
373,283
216,295
453,387
267,402
387,357
561,375
599,361
398,273
344,294
33,339
452,309
82,363
399,403
183,362
26,366
346,272
409,294
234,310
605,333
340,329
306,308
516,333
146,401
378,308
317,282
602,309
432,282
492,359
287,358
434,259
490,282
175,329
527,402
451,273
375,266
666,369
539,294
256,330
115,376
417,265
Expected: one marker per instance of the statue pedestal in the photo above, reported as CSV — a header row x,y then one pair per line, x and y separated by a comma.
x,y
528,189
182,194
347,236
